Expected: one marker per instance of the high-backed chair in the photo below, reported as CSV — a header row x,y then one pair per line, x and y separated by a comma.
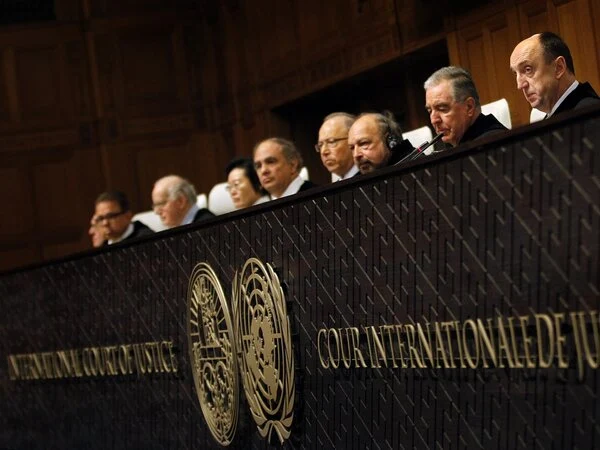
x,y
219,200
304,173
202,201
418,136
536,115
500,109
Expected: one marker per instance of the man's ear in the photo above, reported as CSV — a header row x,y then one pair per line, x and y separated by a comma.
x,y
561,67
470,104
180,201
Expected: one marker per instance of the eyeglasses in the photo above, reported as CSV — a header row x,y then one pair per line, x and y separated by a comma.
x,y
329,143
235,186
159,205
108,216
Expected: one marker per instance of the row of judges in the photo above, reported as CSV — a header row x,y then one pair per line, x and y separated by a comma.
x,y
351,146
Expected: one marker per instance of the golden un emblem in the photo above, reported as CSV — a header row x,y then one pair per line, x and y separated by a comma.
x,y
212,353
260,332
265,344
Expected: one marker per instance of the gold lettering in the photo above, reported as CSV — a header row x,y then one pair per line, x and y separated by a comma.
x,y
14,373
575,325
140,362
425,344
86,366
561,341
591,356
320,341
440,350
174,365
346,355
487,341
547,322
412,350
529,363
76,363
401,349
335,363
380,352
48,366
503,346
513,338
65,364
36,366
459,343
359,360
472,361
387,332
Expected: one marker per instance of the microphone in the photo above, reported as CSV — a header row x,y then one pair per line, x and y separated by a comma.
x,y
420,150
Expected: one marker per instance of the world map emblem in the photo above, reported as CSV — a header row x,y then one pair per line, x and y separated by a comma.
x,y
265,345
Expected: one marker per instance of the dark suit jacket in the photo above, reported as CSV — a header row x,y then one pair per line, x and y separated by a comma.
x,y
201,215
307,185
139,229
399,152
583,95
484,125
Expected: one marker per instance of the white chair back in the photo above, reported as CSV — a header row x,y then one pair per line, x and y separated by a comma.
x,y
418,136
304,173
500,110
151,220
219,200
536,115
202,201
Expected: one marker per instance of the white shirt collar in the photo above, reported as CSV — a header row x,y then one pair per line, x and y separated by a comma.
x,y
127,233
353,171
565,94
189,216
292,188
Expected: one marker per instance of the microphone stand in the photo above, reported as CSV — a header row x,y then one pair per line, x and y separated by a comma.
x,y
420,150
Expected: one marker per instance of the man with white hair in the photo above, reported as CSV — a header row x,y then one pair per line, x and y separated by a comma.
x,y
174,200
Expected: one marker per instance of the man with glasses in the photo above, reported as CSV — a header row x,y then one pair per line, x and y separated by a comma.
x,y
452,102
112,217
376,141
333,146
174,200
545,73
278,162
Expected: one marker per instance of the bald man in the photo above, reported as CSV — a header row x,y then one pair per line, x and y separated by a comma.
x,y
376,141
545,73
174,200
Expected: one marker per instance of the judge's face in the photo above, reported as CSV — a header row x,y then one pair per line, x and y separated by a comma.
x,y
368,149
240,188
448,116
171,210
111,219
333,143
537,79
274,171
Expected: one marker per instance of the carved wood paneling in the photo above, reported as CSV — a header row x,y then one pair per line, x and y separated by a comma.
x,y
20,214
484,49
577,29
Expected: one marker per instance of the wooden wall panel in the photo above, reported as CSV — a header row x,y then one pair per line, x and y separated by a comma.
x,y
577,29
19,218
484,49
39,87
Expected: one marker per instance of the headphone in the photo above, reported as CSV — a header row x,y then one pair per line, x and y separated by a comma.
x,y
391,140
